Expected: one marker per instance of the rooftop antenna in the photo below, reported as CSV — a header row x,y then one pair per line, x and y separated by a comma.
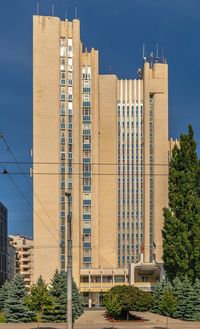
x,y
157,55
110,68
76,12
65,14
52,9
143,53
163,59
151,59
37,8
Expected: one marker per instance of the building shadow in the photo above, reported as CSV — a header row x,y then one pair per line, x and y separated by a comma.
x,y
44,327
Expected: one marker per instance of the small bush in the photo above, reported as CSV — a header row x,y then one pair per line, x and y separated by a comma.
x,y
2,318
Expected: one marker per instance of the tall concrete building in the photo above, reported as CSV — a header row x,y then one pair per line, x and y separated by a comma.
x,y
11,264
23,257
3,243
105,140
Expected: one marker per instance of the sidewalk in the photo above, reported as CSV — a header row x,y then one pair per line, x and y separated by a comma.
x,y
96,320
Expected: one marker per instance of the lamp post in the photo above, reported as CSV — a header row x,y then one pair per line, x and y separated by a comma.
x,y
69,264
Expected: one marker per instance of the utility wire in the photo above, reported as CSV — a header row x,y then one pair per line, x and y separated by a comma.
x,y
82,163
25,177
26,200
92,174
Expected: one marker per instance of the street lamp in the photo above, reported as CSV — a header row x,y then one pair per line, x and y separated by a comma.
x,y
69,263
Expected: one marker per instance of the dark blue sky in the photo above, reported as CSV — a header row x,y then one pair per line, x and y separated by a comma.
x,y
117,28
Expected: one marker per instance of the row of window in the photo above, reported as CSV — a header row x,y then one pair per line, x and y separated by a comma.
x,y
66,93
86,167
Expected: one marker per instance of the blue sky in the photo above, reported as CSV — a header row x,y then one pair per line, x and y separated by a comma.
x,y
117,28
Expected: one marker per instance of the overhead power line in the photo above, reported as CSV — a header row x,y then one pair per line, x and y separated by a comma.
x,y
92,174
25,177
82,163
26,200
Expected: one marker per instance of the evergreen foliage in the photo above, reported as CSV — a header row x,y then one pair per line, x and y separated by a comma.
x,y
181,231
184,293
4,294
14,308
168,303
158,294
180,300
197,300
39,299
58,290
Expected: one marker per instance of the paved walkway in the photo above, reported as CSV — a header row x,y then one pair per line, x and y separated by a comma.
x,y
95,319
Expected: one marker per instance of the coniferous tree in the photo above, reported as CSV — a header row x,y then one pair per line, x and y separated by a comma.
x,y
181,231
77,302
4,294
59,291
39,299
158,294
184,293
196,313
168,303
14,307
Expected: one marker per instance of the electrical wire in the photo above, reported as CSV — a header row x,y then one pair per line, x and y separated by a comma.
x,y
26,200
25,177
92,174
81,163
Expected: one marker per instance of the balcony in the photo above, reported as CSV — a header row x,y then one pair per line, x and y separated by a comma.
x,y
86,188
86,202
86,118
86,230
86,216
86,147
86,174
87,259
86,160
87,245
63,111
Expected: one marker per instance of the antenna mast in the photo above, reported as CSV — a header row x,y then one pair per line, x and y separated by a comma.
x,y
53,9
37,8
76,10
143,52
157,55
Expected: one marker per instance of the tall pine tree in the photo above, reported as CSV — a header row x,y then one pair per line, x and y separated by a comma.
x,y
4,294
181,231
14,307
185,295
59,291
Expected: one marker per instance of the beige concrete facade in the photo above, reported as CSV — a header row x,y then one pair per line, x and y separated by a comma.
x,y
23,257
106,141
11,265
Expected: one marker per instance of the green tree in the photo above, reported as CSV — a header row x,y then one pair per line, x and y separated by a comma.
x,y
39,299
58,289
196,314
112,305
168,303
14,307
4,294
158,294
120,300
181,231
77,302
185,295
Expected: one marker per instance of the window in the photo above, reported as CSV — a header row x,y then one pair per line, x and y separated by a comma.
x,y
62,51
62,123
69,61
62,41
69,41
